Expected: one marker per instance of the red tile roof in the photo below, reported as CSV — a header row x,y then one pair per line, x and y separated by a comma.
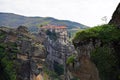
x,y
53,27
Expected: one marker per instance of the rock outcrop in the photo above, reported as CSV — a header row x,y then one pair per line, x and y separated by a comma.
x,y
96,44
58,47
83,67
116,17
98,53
30,53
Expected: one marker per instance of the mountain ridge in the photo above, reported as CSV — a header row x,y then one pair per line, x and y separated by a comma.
x,y
15,20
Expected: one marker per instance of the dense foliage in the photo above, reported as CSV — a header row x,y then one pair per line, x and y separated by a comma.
x,y
105,33
106,62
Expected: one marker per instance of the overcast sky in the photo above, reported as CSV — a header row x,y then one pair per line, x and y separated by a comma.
x,y
88,12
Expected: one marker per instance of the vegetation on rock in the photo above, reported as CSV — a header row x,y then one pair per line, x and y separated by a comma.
x,y
106,62
52,35
7,63
51,74
15,45
105,33
70,59
105,56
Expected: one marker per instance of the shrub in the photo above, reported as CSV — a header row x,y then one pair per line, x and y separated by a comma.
x,y
70,59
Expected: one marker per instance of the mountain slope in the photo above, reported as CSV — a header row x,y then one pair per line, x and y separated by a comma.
x,y
14,20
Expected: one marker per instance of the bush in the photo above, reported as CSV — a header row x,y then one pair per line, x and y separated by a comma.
x,y
70,59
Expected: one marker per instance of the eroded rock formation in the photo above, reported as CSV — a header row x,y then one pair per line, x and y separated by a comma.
x,y
57,46
83,67
30,52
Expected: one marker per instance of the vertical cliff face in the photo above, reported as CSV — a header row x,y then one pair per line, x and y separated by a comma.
x,y
58,48
28,53
116,17
98,51
83,67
